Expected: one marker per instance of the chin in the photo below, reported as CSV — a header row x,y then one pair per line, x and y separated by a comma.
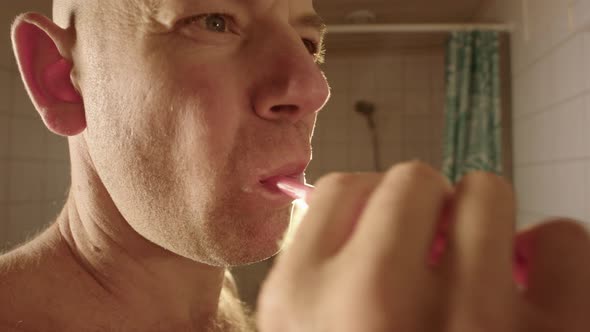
x,y
264,243
235,241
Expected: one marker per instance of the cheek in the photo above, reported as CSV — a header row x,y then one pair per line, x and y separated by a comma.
x,y
211,107
173,116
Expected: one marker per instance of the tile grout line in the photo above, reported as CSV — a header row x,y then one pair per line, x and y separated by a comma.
x,y
552,106
546,53
552,162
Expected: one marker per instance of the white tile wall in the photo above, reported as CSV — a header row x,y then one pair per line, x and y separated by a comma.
x,y
390,154
6,57
27,138
417,72
587,190
418,101
26,181
26,147
4,136
359,129
417,151
568,181
56,147
4,194
5,90
390,126
417,128
521,90
50,210
568,69
587,125
407,87
586,59
551,95
3,225
24,221
57,181
581,13
567,136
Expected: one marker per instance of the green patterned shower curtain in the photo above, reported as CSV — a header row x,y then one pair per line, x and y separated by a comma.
x,y
473,137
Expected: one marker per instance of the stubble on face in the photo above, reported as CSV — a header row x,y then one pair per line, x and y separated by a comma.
x,y
153,140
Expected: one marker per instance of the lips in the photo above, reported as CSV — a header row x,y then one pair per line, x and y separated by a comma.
x,y
292,170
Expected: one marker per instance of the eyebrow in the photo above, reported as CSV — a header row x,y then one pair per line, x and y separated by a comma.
x,y
154,5
313,21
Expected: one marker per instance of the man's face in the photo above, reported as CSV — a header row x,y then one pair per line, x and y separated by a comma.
x,y
189,105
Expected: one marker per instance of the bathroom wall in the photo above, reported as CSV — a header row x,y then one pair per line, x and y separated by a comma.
x,y
407,87
551,101
34,169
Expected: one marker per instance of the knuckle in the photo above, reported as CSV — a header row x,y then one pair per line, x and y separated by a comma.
x,y
568,225
415,174
560,229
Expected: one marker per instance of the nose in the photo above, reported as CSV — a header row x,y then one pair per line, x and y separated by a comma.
x,y
289,85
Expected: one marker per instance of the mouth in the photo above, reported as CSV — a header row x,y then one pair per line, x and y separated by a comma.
x,y
294,171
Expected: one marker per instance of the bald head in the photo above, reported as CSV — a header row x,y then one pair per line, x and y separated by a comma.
x,y
63,11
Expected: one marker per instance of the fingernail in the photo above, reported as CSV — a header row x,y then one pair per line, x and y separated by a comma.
x,y
437,251
441,238
520,270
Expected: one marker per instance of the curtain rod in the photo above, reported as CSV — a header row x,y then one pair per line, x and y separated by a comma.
x,y
392,28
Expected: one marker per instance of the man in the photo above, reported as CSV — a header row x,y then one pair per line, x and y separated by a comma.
x,y
177,112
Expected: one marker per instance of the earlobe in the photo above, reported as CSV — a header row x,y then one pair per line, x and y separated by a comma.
x,y
43,51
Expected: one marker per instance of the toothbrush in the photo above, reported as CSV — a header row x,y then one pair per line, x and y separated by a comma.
x,y
294,188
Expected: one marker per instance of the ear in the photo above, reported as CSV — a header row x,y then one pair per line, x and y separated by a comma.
x,y
43,52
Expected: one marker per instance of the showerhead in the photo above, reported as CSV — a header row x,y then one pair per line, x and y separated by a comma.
x,y
365,107
363,16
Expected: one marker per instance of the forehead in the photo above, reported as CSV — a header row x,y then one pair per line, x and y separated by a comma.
x,y
165,12
292,5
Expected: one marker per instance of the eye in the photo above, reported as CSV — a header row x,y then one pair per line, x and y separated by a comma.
x,y
214,22
311,46
317,50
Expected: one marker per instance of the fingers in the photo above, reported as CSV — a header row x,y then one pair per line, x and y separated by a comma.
x,y
400,218
334,208
480,251
397,228
484,229
392,242
379,230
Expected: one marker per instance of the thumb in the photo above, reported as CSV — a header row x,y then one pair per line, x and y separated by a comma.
x,y
556,259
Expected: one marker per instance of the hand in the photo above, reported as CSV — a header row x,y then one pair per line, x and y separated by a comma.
x,y
361,260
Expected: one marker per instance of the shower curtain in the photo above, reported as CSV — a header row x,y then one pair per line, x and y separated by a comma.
x,y
473,138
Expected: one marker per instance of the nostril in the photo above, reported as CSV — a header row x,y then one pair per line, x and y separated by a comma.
x,y
284,108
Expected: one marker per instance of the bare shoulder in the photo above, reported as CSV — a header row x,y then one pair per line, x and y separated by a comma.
x,y
14,266
11,268
9,289
21,289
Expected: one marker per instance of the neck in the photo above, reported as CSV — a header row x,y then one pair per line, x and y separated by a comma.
x,y
126,267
